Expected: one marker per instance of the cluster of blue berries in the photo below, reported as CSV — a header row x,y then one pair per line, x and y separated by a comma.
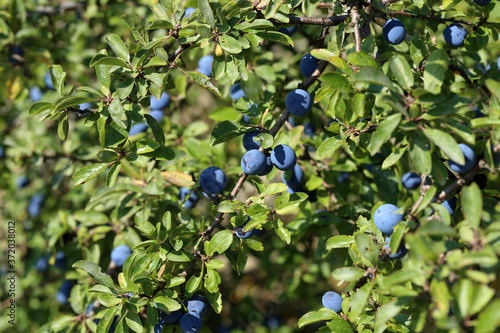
x,y
189,322
386,218
394,30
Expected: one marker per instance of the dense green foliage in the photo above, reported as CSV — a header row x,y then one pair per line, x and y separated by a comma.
x,y
92,186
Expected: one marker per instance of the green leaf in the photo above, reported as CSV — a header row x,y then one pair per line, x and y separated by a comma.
x,y
337,81
166,303
254,244
315,316
484,122
39,107
463,292
92,91
435,71
137,27
102,59
119,47
204,81
489,318
274,188
339,325
402,71
215,300
90,217
348,274
212,281
220,242
215,264
437,228
108,300
180,256
194,283
57,76
461,130
63,128
162,10
254,25
328,147
383,133
95,273
156,129
281,231
447,144
388,311
338,62
109,61
494,87
225,131
228,206
117,113
471,201
274,36
361,59
68,101
87,173
112,174
420,156
103,73
106,320
368,250
374,76
271,9
146,146
339,242
114,136
229,44
428,197
132,319
206,10
358,302
282,200
387,184
394,157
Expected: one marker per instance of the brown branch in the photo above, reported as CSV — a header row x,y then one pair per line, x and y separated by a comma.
x,y
314,76
179,50
324,21
357,34
458,183
326,5
423,190
424,16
